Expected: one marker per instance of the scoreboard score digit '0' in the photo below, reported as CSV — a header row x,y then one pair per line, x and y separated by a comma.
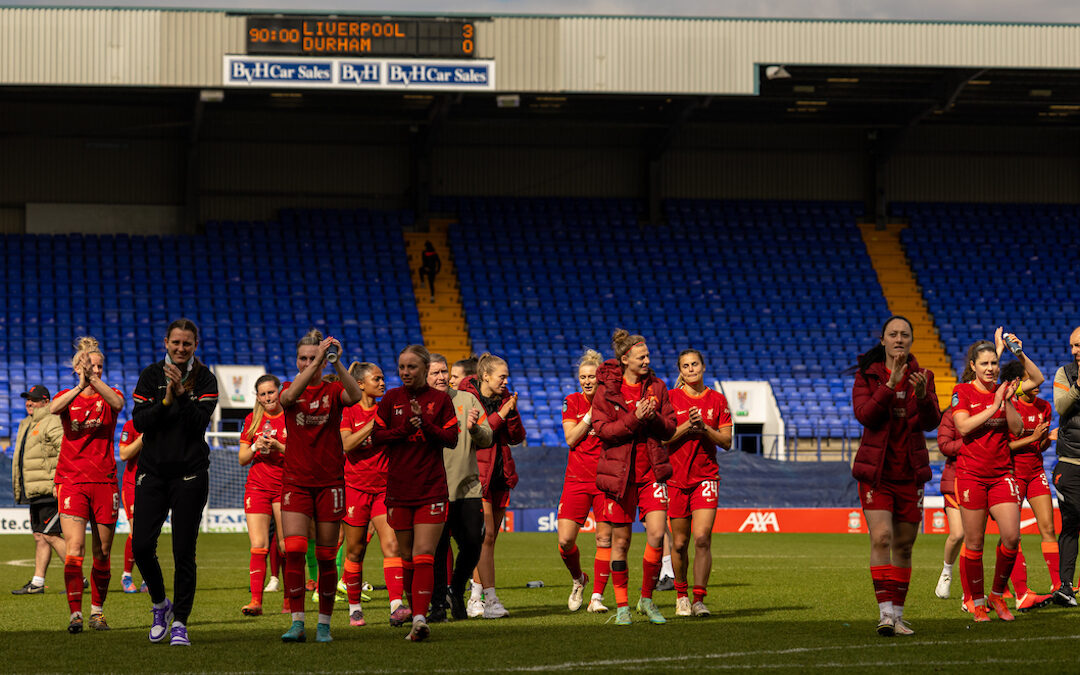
x,y
326,36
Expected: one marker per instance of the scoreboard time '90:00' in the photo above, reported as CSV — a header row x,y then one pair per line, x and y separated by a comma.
x,y
326,36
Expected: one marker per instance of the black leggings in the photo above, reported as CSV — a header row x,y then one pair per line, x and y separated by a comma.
x,y
1067,484
186,497
430,274
465,521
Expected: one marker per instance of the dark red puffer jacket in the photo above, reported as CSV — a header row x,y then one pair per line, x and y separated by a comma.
x,y
874,405
619,430
949,443
506,432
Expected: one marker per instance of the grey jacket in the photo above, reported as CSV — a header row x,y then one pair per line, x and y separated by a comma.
x,y
33,465
462,473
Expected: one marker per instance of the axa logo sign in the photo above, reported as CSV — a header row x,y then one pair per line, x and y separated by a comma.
x,y
760,521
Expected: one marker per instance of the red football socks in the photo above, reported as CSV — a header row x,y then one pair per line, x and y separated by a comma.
x,y
393,573
423,579
1003,567
900,578
295,561
73,578
973,564
650,569
353,580
100,575
257,573
879,574
601,570
1018,576
572,559
1053,560
326,556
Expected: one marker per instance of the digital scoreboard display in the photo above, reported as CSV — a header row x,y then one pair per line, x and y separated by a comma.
x,y
324,36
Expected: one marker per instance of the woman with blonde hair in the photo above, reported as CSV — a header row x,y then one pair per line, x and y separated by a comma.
x,y
262,445
498,474
580,494
413,424
86,479
633,417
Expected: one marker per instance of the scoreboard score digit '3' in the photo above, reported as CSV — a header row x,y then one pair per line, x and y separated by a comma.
x,y
325,36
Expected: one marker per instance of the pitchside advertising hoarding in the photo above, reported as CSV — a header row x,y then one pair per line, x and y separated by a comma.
x,y
358,74
728,521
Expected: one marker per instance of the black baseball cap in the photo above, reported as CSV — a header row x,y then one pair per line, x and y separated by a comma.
x,y
36,393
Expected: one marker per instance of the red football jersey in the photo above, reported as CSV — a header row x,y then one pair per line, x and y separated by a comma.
x,y
643,472
86,453
694,459
1028,459
415,472
581,464
128,435
266,469
365,465
313,455
985,452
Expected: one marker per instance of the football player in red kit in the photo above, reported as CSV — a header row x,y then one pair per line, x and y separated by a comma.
x,y
949,444
1027,454
313,482
633,417
365,498
413,424
985,416
129,447
704,423
86,480
895,401
580,494
262,445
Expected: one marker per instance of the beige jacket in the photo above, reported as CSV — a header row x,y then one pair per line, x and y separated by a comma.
x,y
462,473
33,466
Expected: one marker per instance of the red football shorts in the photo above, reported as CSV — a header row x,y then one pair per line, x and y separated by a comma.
x,y
683,502
1033,484
903,500
258,500
576,500
981,493
950,500
127,496
96,502
642,498
324,504
500,499
361,507
404,517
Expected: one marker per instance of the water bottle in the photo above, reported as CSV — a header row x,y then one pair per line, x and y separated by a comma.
x,y
535,584
332,354
1012,343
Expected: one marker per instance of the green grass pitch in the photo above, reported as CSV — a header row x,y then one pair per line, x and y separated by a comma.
x,y
782,603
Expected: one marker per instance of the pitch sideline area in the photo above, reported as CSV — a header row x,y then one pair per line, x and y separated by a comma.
x,y
781,603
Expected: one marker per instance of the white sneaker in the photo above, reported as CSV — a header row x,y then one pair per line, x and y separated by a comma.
x,y
944,584
576,593
474,608
273,585
596,605
682,606
901,627
419,631
699,609
493,609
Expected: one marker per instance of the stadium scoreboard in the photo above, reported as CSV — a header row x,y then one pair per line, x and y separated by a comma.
x,y
366,36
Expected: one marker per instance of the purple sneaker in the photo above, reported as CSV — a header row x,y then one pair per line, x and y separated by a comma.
x,y
400,616
162,618
179,636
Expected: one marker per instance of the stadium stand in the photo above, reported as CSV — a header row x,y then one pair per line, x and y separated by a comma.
x,y
1029,265
782,291
261,285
